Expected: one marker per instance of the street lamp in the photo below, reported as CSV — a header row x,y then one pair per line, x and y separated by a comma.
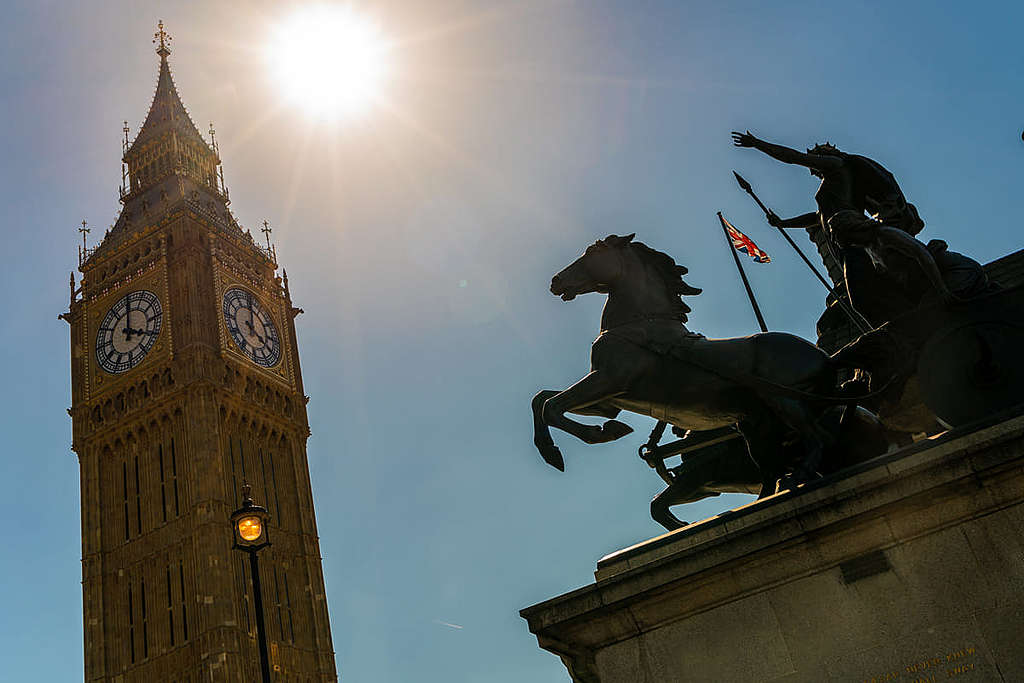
x,y
250,529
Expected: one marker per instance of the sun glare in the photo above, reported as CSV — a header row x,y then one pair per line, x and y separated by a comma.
x,y
330,61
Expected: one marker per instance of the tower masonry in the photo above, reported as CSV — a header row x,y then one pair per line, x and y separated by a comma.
x,y
186,385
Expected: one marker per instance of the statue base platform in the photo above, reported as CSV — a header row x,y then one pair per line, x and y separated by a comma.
x,y
908,568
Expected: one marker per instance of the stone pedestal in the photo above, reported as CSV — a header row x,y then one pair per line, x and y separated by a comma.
x,y
909,568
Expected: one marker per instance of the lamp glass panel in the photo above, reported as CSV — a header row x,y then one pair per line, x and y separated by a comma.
x,y
250,528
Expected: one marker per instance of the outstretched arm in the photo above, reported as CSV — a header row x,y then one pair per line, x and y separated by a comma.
x,y
819,162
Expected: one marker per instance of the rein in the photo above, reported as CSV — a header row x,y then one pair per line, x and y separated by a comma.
x,y
679,318
751,379
746,379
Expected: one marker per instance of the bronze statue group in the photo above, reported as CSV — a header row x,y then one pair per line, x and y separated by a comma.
x,y
933,349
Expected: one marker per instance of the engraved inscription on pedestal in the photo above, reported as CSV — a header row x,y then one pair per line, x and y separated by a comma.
x,y
945,652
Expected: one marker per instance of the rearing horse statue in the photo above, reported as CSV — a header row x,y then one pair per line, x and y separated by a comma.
x,y
646,361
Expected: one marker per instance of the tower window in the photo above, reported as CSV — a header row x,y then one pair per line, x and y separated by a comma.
x,y
263,470
174,477
131,625
279,604
163,484
285,626
245,595
145,630
184,613
169,499
124,490
234,474
273,485
138,500
170,607
288,606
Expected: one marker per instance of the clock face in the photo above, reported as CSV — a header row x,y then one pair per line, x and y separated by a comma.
x,y
128,331
251,327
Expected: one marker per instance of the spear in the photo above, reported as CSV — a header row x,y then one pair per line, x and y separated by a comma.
x,y
857,319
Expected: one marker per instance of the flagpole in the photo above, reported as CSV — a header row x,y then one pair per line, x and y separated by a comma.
x,y
743,275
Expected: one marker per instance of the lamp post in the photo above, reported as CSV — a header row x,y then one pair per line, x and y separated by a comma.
x,y
250,529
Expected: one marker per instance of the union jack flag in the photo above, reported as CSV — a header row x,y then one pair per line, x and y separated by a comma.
x,y
744,244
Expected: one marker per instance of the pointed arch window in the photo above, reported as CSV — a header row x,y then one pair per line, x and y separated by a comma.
x,y
283,603
163,480
174,479
167,465
138,499
131,624
145,618
124,491
274,490
170,607
181,592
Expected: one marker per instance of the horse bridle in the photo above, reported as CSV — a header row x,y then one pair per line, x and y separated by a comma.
x,y
678,317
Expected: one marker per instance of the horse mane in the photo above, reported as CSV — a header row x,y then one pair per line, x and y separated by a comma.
x,y
670,272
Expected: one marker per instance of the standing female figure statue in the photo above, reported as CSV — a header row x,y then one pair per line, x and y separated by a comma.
x,y
873,253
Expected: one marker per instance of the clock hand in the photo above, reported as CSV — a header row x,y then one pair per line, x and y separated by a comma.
x,y
252,330
127,320
252,316
128,331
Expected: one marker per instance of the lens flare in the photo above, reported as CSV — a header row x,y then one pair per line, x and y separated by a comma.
x,y
330,61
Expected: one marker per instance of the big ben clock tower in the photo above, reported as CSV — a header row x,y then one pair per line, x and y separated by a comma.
x,y
185,386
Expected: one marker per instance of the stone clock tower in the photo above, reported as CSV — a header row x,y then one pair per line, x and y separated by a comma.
x,y
185,385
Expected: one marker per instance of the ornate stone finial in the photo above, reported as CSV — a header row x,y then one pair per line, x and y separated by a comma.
x,y
266,232
83,252
162,36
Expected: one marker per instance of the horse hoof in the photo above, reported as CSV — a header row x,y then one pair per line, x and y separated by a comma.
x,y
787,483
671,522
553,457
613,429
791,481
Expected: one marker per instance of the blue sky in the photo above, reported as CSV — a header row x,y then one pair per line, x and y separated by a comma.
x,y
420,242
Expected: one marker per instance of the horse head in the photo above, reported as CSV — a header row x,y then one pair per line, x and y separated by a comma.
x,y
597,270
652,279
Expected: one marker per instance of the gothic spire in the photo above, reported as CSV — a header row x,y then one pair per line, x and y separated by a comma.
x,y
167,110
169,161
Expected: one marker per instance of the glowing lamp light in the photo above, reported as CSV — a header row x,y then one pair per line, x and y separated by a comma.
x,y
250,523
250,528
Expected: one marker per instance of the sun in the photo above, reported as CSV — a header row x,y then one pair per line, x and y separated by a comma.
x,y
330,61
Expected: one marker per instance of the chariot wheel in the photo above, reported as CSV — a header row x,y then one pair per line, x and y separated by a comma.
x,y
972,369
